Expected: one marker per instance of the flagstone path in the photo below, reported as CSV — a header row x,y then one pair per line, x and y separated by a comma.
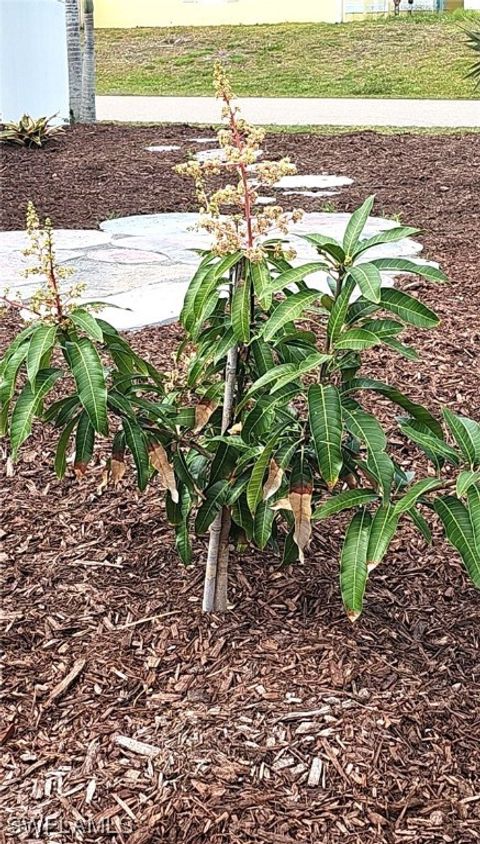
x,y
143,264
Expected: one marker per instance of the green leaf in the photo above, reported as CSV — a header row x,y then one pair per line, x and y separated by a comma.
x,y
10,372
407,308
225,459
353,564
464,481
14,346
325,419
84,442
459,531
311,362
368,279
60,412
41,342
405,266
87,323
285,369
365,427
420,523
356,225
262,282
241,516
60,464
357,339
406,351
381,467
430,442
359,309
290,549
382,532
466,433
28,406
206,266
183,543
263,523
473,506
325,244
387,236
292,308
414,493
89,377
255,484
215,498
343,501
384,328
262,356
205,291
241,311
420,413
138,445
296,274
339,310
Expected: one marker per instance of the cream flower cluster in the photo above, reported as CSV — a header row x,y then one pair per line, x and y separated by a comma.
x,y
229,213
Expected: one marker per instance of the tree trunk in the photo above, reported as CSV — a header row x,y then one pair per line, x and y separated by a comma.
x,y
216,573
74,53
88,113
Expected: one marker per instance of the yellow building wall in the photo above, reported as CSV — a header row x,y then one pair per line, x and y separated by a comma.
x,y
132,13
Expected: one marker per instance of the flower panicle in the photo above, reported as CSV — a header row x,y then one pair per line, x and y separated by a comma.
x,y
230,212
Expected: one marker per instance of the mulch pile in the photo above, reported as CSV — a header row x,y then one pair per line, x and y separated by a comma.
x,y
130,717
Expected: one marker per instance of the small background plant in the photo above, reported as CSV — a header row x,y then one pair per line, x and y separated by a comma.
x,y
30,132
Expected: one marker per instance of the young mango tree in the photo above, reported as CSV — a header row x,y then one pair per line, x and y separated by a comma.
x,y
265,434
99,381
282,417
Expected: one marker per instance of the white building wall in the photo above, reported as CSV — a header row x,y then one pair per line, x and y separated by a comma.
x,y
472,5
33,59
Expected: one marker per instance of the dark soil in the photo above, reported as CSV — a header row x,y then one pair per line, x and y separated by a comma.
x,y
239,707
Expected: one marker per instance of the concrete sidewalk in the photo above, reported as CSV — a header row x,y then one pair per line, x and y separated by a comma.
x,y
295,111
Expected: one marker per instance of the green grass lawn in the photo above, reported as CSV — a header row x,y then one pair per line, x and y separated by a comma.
x,y
418,56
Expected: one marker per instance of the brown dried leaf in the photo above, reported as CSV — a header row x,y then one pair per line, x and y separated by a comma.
x,y
281,504
103,481
159,461
117,470
301,504
274,480
203,412
235,429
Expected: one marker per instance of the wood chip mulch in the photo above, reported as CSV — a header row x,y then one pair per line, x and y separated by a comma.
x,y
128,716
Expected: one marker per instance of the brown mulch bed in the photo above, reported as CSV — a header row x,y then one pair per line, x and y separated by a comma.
x,y
238,708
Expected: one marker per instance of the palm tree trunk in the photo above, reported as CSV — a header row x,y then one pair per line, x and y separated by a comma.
x,y
74,53
88,114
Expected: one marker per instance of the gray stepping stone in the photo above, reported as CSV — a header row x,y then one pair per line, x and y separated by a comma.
x,y
69,239
146,266
162,148
157,304
126,256
311,181
309,192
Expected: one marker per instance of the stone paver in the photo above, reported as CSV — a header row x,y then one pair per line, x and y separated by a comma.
x,y
296,111
162,148
141,263
307,180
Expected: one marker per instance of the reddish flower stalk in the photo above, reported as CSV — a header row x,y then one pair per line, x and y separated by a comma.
x,y
239,143
52,281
